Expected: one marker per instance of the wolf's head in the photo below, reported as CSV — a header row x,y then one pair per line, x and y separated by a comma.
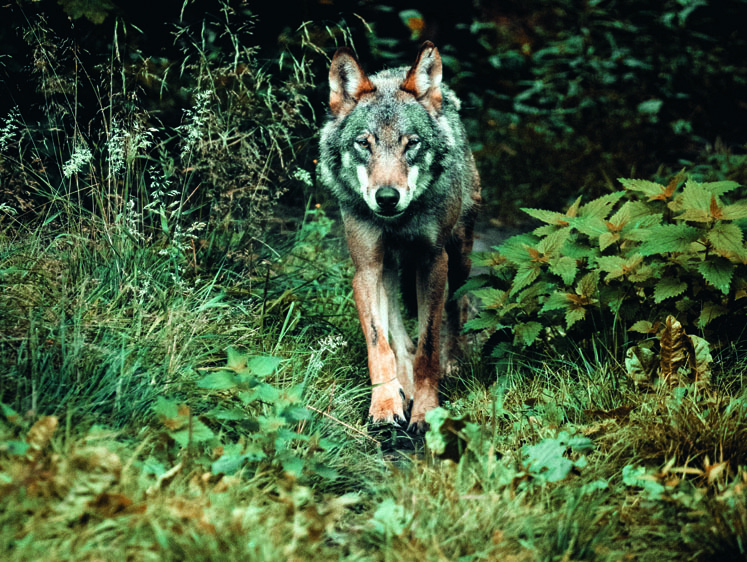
x,y
388,132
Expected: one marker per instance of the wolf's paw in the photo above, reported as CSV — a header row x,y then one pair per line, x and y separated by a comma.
x,y
426,399
418,427
387,405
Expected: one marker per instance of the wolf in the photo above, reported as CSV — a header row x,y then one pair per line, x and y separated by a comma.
x,y
394,154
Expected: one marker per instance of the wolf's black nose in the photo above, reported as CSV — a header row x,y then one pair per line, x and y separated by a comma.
x,y
387,199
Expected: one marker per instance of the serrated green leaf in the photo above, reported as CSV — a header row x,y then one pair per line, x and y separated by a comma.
x,y
526,332
526,275
601,206
726,239
546,460
734,212
199,433
483,322
485,259
642,327
558,300
165,408
474,282
490,297
720,187
607,239
718,272
573,315
549,217
546,230
565,268
695,196
591,226
220,380
649,188
577,250
587,286
236,360
516,248
629,212
667,288
710,311
263,365
668,238
553,243
614,266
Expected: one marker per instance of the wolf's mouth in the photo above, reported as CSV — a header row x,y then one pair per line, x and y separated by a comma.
x,y
389,214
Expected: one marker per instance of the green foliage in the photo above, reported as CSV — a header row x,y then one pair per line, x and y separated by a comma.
x,y
270,419
644,253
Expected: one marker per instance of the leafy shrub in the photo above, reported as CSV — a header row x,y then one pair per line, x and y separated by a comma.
x,y
624,261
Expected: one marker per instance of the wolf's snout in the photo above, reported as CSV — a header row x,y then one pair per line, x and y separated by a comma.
x,y
387,199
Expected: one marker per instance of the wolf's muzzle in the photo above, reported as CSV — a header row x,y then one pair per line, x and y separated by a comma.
x,y
387,199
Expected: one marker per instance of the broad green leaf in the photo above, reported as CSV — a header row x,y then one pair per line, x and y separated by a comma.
x,y
558,300
486,259
553,243
695,197
629,212
236,360
483,321
600,208
200,433
726,239
526,275
718,272
165,408
263,365
220,380
526,332
549,217
636,476
614,266
649,188
587,286
490,297
267,393
293,465
592,226
734,212
546,460
667,288
564,267
474,282
720,187
668,238
642,327
710,311
516,248
573,315
607,239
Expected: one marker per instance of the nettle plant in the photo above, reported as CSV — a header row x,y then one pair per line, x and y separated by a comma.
x,y
623,262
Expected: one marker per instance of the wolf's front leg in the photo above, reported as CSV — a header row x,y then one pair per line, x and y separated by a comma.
x,y
431,284
371,300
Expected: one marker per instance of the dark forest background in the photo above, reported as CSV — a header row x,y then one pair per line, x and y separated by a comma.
x,y
560,97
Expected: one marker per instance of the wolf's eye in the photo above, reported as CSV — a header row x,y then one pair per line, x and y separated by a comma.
x,y
412,142
363,143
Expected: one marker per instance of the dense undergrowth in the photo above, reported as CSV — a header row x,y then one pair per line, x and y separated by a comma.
x,y
182,378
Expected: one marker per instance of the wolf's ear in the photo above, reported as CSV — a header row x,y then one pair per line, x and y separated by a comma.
x,y
347,81
423,80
